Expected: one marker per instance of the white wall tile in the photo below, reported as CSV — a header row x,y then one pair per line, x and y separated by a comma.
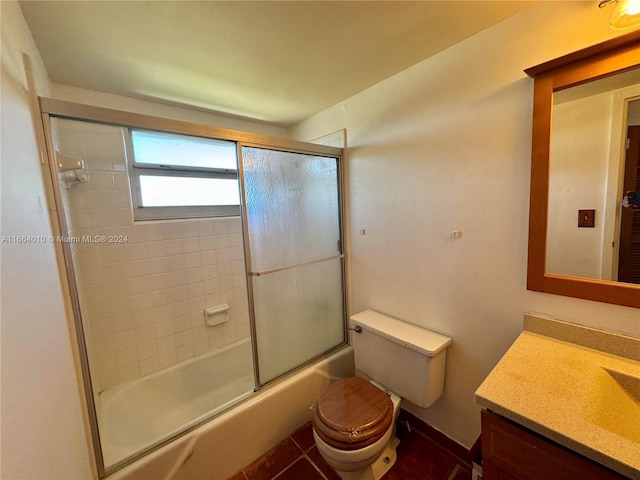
x,y
200,345
221,226
194,275
208,258
107,217
182,324
101,180
111,254
126,356
189,229
209,272
163,328
145,334
166,344
195,290
183,338
124,340
96,141
97,161
210,286
172,230
146,350
107,379
205,227
128,372
134,233
121,323
140,302
101,328
152,232
190,245
121,181
143,318
225,269
118,306
143,299
192,260
149,365
105,362
135,268
134,251
95,311
166,359
185,352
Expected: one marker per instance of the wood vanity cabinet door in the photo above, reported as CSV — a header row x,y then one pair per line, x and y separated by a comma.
x,y
509,452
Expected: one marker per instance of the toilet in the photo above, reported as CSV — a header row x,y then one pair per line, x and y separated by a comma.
x,y
354,418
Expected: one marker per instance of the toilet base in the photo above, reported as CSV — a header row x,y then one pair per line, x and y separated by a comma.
x,y
377,469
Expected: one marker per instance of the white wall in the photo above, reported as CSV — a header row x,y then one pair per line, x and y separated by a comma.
x,y
446,145
42,428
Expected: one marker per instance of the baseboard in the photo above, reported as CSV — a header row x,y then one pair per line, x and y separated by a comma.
x,y
466,456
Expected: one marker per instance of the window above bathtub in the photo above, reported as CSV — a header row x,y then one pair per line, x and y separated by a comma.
x,y
180,176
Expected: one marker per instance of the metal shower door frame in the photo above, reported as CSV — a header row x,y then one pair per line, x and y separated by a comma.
x,y
315,150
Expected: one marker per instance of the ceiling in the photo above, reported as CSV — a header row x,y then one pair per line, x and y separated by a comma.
x,y
273,61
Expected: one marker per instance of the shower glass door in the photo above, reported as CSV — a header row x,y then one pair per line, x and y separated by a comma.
x,y
294,255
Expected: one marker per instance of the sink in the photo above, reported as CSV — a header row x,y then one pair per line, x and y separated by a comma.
x,y
615,404
628,383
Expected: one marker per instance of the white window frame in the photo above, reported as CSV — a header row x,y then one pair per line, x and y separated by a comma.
x,y
135,169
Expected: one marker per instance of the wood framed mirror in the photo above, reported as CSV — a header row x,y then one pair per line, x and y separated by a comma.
x,y
615,63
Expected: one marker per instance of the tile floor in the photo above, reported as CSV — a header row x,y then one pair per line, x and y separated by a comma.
x,y
297,458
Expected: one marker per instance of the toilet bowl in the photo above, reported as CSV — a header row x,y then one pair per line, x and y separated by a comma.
x,y
354,428
354,418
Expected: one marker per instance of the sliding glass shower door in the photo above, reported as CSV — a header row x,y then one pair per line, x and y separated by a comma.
x,y
294,256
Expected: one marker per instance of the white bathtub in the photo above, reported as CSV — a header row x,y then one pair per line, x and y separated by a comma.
x,y
220,447
149,410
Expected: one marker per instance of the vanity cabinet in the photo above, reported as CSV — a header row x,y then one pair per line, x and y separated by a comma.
x,y
511,452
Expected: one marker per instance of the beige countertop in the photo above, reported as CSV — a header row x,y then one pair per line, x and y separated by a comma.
x,y
572,390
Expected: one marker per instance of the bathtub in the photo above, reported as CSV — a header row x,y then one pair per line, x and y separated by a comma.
x,y
147,411
221,446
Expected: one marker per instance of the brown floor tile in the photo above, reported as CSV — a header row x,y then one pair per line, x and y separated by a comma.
x,y
419,458
393,475
461,474
304,437
274,461
317,459
301,470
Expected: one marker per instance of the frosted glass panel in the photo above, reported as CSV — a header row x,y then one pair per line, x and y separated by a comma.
x,y
292,207
299,315
293,217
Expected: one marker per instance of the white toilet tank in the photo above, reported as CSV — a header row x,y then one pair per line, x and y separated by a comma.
x,y
406,359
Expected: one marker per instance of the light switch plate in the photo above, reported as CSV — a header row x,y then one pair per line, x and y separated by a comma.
x,y
586,218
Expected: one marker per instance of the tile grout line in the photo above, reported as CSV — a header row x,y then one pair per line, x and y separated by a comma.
x,y
309,459
313,464
286,468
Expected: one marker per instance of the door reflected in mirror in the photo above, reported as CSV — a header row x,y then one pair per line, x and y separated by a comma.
x,y
594,150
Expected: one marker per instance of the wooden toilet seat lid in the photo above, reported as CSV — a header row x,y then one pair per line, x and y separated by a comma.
x,y
352,413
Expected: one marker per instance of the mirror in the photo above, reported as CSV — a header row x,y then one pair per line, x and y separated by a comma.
x,y
588,159
581,224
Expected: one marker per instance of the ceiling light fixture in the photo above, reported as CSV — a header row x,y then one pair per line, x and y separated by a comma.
x,y
626,14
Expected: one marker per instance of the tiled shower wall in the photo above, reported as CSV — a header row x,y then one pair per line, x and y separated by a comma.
x,y
144,289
